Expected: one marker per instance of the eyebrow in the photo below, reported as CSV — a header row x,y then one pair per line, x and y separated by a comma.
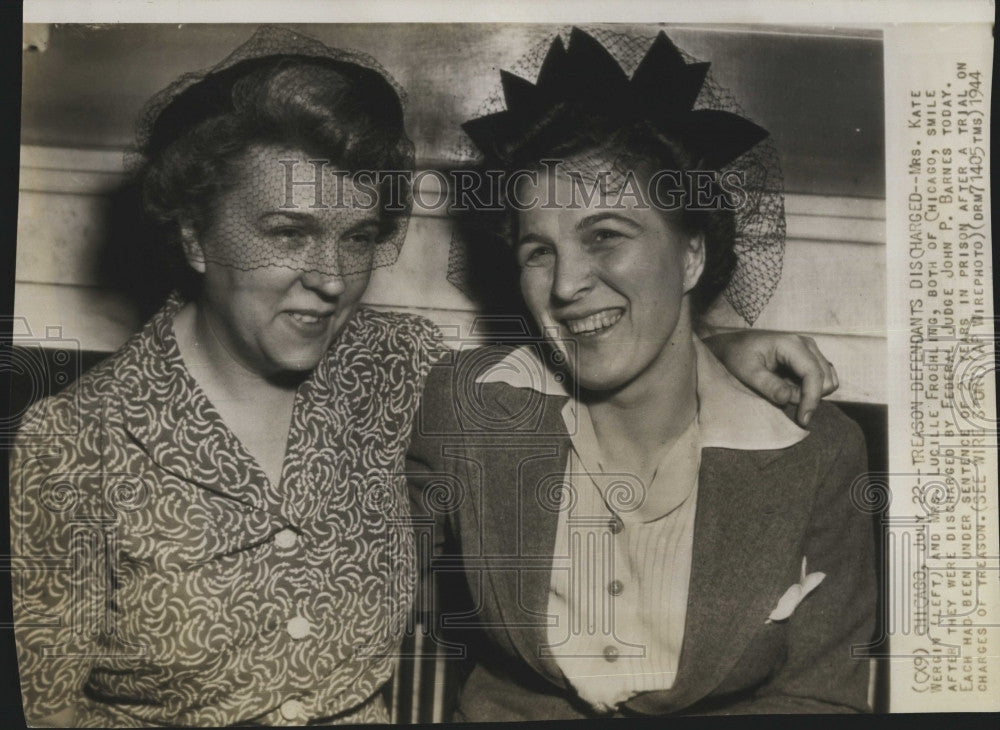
x,y
365,223
583,223
532,238
591,220
293,214
308,217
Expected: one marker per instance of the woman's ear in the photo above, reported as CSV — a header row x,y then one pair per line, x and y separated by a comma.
x,y
694,261
193,251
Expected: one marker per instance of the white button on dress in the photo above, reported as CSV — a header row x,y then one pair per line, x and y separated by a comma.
x,y
298,627
285,539
293,710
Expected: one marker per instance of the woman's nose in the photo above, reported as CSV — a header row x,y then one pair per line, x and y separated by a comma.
x,y
322,267
326,285
573,275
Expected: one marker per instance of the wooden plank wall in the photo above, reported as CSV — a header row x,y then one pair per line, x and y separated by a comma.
x,y
831,287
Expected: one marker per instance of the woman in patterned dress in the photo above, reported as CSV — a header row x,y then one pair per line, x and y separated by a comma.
x,y
224,479
209,527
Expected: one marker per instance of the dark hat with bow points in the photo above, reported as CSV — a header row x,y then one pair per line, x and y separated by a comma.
x,y
585,76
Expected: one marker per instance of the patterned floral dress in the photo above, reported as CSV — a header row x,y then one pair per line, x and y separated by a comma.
x,y
158,577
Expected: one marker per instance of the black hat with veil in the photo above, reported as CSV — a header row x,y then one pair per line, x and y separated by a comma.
x,y
346,113
625,78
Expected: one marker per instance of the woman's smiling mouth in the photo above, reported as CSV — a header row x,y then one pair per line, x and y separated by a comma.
x,y
309,322
305,317
596,323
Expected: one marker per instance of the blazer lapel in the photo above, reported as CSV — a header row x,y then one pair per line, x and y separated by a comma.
x,y
522,550
734,562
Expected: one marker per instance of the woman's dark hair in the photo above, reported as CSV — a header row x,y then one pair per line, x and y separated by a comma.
x,y
333,110
568,131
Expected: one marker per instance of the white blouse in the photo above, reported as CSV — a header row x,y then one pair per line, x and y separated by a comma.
x,y
619,588
619,585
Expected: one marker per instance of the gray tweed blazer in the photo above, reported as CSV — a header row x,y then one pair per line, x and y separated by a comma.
x,y
479,462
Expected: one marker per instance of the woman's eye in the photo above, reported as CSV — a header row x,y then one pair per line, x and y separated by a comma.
x,y
290,236
361,239
604,235
361,242
535,256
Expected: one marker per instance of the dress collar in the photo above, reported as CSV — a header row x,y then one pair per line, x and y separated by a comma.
x,y
166,412
730,416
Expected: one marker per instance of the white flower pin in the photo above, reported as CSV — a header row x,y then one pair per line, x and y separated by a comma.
x,y
795,593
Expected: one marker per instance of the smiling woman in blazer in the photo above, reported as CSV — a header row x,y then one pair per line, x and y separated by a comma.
x,y
640,534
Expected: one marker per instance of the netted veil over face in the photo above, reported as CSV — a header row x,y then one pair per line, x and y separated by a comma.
x,y
286,153
622,78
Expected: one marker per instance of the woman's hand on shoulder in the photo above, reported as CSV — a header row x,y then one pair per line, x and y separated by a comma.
x,y
784,368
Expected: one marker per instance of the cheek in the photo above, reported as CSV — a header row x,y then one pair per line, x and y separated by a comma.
x,y
266,284
246,291
656,280
536,288
355,287
224,285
